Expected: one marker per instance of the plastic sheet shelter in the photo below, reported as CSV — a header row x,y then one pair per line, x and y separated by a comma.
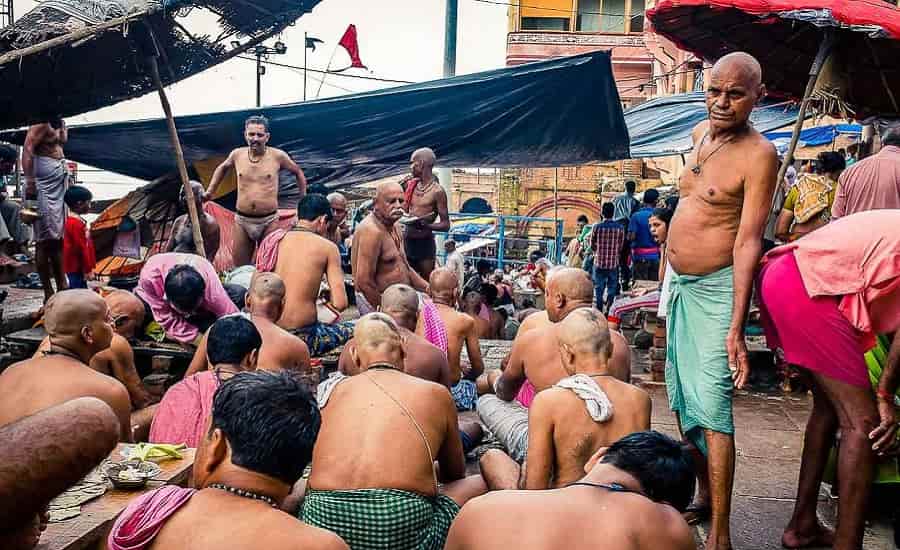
x,y
862,77
559,112
663,126
66,57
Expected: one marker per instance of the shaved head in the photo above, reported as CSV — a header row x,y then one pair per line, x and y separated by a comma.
x,y
127,309
400,298
585,331
70,310
425,154
267,286
389,201
573,283
376,331
386,188
444,285
743,65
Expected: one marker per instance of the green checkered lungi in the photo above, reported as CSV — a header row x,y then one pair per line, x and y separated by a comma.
x,y
381,518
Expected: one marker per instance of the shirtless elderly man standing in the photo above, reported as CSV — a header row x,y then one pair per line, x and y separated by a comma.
x,y
305,255
426,200
461,330
389,494
568,422
78,325
378,257
280,349
256,167
630,499
714,246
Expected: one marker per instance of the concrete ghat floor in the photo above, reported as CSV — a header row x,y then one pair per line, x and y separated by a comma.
x,y
769,440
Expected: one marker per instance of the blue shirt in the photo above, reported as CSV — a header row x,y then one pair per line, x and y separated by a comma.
x,y
640,226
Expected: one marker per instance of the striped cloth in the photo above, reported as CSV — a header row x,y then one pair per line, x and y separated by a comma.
x,y
388,519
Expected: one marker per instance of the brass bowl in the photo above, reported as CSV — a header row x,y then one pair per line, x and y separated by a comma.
x,y
131,474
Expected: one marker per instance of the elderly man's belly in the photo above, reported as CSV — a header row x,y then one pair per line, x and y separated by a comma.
x,y
701,238
391,275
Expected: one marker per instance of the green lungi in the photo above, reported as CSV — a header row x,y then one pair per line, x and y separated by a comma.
x,y
381,518
698,379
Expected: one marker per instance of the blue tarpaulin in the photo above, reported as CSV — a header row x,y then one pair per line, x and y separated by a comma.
x,y
560,112
820,135
663,126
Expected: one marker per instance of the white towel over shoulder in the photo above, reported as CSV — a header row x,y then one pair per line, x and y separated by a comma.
x,y
323,392
598,404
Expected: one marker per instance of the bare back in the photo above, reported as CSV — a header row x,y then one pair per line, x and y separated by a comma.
x,y
213,520
576,518
39,383
303,259
560,418
257,180
377,254
280,349
704,229
388,450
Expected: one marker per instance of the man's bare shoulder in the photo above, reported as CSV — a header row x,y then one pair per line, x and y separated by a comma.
x,y
757,148
552,399
699,130
288,533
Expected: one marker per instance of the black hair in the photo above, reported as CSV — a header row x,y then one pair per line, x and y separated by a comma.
x,y
184,287
312,206
672,202
663,466
8,153
630,186
231,339
829,161
527,303
317,189
608,210
891,136
483,265
503,312
651,196
662,214
489,292
237,294
270,421
582,219
76,194
257,119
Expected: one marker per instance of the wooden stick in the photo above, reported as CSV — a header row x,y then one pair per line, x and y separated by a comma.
x,y
179,159
824,51
66,38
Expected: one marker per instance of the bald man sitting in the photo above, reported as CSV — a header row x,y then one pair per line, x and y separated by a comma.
x,y
386,492
423,359
578,415
534,363
461,330
280,349
78,326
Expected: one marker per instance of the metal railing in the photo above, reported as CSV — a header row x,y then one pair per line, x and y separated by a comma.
x,y
521,237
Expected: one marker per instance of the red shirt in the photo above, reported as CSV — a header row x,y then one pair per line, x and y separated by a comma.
x,y
78,248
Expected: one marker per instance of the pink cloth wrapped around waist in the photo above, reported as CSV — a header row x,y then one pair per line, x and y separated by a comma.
x,y
526,394
142,520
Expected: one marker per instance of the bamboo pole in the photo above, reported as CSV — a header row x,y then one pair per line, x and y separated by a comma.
x,y
825,48
179,159
66,38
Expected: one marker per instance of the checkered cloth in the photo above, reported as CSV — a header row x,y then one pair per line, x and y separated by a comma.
x,y
388,519
465,394
606,242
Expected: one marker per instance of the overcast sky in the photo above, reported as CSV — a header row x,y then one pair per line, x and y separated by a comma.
x,y
398,39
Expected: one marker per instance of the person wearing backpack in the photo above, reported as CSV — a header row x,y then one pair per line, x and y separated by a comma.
x,y
808,203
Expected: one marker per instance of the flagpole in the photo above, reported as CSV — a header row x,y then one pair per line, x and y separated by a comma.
x,y
305,48
327,69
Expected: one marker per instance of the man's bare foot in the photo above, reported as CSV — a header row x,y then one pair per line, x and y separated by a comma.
x,y
820,536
